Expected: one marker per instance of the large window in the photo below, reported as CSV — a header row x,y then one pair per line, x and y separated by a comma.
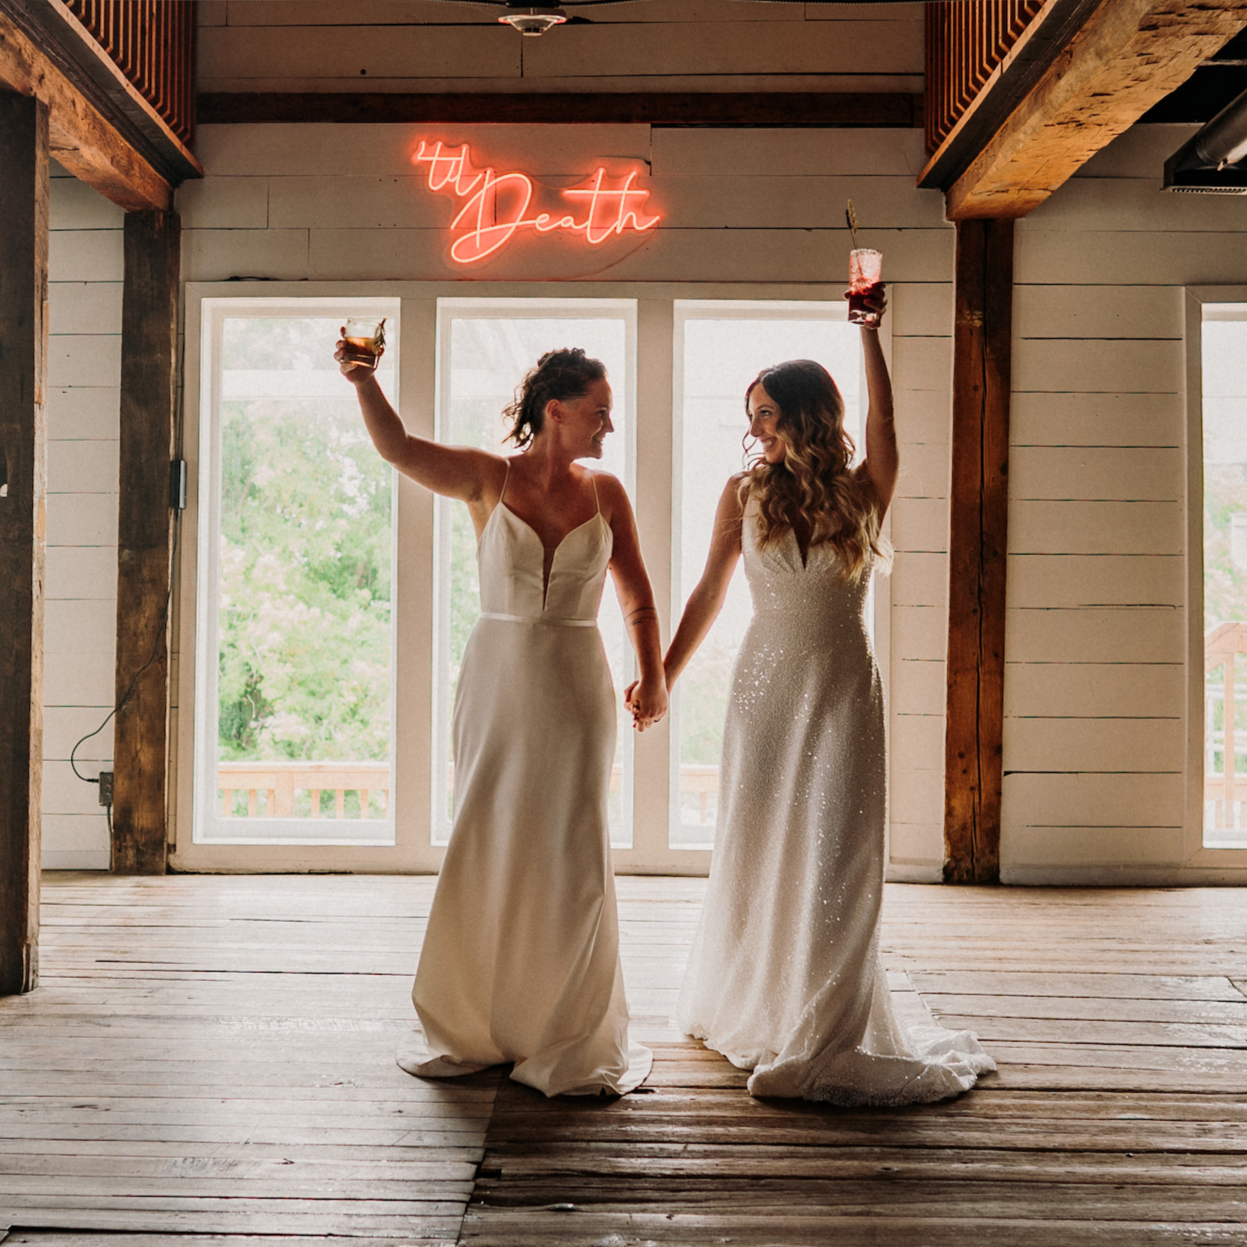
x,y
330,600
719,349
295,726
485,347
1224,337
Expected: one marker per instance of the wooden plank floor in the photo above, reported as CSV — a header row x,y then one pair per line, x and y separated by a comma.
x,y
210,1061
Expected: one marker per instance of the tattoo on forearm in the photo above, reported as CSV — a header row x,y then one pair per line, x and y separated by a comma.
x,y
643,612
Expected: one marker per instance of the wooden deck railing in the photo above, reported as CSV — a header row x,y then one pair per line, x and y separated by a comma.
x,y
279,781
1224,790
271,787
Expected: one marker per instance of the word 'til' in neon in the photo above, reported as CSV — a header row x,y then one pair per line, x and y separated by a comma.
x,y
497,203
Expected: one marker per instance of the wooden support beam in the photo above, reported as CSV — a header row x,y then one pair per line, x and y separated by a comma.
x,y
1126,56
982,337
23,486
151,47
673,108
149,323
82,139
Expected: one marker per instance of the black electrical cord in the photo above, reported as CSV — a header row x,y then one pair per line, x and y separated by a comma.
x,y
173,553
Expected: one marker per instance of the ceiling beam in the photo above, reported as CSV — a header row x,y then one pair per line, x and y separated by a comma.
x,y
82,138
54,27
1126,56
674,108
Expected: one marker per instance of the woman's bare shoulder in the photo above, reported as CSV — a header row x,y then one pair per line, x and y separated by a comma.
x,y
611,495
607,484
737,488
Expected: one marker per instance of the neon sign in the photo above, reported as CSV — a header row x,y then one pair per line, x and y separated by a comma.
x,y
495,205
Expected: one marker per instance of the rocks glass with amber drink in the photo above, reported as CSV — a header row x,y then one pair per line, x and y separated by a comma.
x,y
364,337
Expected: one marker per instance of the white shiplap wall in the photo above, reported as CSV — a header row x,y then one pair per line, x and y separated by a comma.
x,y
85,270
423,45
343,203
1095,729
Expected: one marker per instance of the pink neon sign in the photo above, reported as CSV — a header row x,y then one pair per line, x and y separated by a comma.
x,y
495,205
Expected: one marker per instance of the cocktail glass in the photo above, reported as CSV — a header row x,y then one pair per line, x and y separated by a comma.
x,y
365,336
865,274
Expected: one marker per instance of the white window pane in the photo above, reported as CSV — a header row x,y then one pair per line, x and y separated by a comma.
x,y
483,359
719,357
299,727
1225,577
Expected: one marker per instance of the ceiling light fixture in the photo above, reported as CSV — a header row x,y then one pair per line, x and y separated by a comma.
x,y
534,20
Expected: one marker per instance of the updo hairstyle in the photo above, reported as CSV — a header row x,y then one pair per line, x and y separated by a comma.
x,y
559,375
814,482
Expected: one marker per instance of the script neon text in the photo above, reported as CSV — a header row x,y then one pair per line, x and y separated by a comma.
x,y
496,205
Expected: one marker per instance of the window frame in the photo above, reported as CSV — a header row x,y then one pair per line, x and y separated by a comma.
x,y
536,306
655,396
1200,864
704,308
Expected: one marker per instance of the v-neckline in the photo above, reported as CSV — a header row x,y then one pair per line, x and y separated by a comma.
x,y
545,576
597,515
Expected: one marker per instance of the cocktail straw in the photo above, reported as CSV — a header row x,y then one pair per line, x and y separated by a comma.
x,y
851,217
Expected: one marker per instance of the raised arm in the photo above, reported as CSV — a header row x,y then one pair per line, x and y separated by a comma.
x,y
647,698
706,600
882,460
455,471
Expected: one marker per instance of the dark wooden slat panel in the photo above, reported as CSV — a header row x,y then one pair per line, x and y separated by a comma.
x,y
23,486
676,108
144,538
965,42
978,522
153,44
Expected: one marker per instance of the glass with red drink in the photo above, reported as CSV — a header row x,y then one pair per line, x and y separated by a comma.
x,y
865,274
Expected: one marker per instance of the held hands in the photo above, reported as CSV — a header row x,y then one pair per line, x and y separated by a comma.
x,y
647,699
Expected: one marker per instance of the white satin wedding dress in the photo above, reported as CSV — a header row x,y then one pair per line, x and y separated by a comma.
x,y
520,961
785,977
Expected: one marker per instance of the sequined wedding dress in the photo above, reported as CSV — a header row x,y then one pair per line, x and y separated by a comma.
x,y
785,977
520,961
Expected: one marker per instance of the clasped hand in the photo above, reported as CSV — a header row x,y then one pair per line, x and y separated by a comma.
x,y
647,701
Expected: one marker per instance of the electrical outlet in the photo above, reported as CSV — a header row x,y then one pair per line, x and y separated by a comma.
x,y
106,787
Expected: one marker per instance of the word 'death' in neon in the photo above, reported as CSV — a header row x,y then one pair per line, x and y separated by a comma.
x,y
496,205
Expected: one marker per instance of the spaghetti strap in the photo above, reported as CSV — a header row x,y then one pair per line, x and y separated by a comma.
x,y
593,476
505,479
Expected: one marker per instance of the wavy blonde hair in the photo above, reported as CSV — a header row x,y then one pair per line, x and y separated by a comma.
x,y
813,482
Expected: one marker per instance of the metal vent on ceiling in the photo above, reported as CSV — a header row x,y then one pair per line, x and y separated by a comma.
x,y
1210,162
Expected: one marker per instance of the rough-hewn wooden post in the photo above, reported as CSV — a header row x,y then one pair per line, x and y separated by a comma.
x,y
982,338
23,470
144,534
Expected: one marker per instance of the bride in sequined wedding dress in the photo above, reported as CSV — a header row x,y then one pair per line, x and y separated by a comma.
x,y
785,976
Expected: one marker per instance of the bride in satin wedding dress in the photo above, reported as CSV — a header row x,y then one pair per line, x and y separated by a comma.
x,y
520,961
785,977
